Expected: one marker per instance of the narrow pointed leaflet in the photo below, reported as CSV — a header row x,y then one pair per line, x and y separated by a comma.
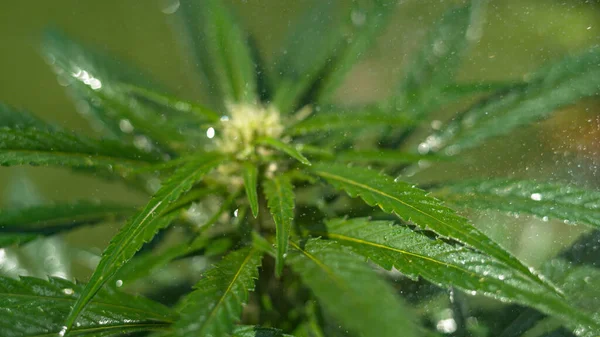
x,y
34,221
560,84
216,304
545,200
142,227
281,146
221,50
350,291
413,204
322,48
172,102
256,331
94,82
27,140
436,63
32,307
280,196
343,118
415,254
250,184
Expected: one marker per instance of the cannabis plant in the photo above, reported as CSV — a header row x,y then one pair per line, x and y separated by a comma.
x,y
290,213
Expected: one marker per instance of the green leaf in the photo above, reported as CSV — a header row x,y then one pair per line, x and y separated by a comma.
x,y
146,263
412,204
384,156
45,147
444,264
558,85
580,283
35,307
458,90
584,251
250,184
14,118
575,271
30,222
280,198
256,331
546,200
15,239
142,227
281,146
216,304
94,79
172,102
323,46
305,53
221,50
368,18
311,327
434,65
349,118
350,291
25,139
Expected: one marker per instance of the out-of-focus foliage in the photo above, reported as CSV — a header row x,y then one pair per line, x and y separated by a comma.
x,y
270,212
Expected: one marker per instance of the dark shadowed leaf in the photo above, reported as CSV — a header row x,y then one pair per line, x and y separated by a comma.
x,y
580,283
350,291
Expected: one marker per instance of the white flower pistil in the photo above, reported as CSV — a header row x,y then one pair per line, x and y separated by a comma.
x,y
245,125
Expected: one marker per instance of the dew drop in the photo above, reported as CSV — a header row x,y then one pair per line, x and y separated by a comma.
x,y
436,124
210,133
68,291
142,143
423,148
446,325
171,7
119,283
125,126
536,196
358,18
439,47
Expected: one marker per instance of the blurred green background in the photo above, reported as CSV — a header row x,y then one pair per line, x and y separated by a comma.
x,y
518,36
